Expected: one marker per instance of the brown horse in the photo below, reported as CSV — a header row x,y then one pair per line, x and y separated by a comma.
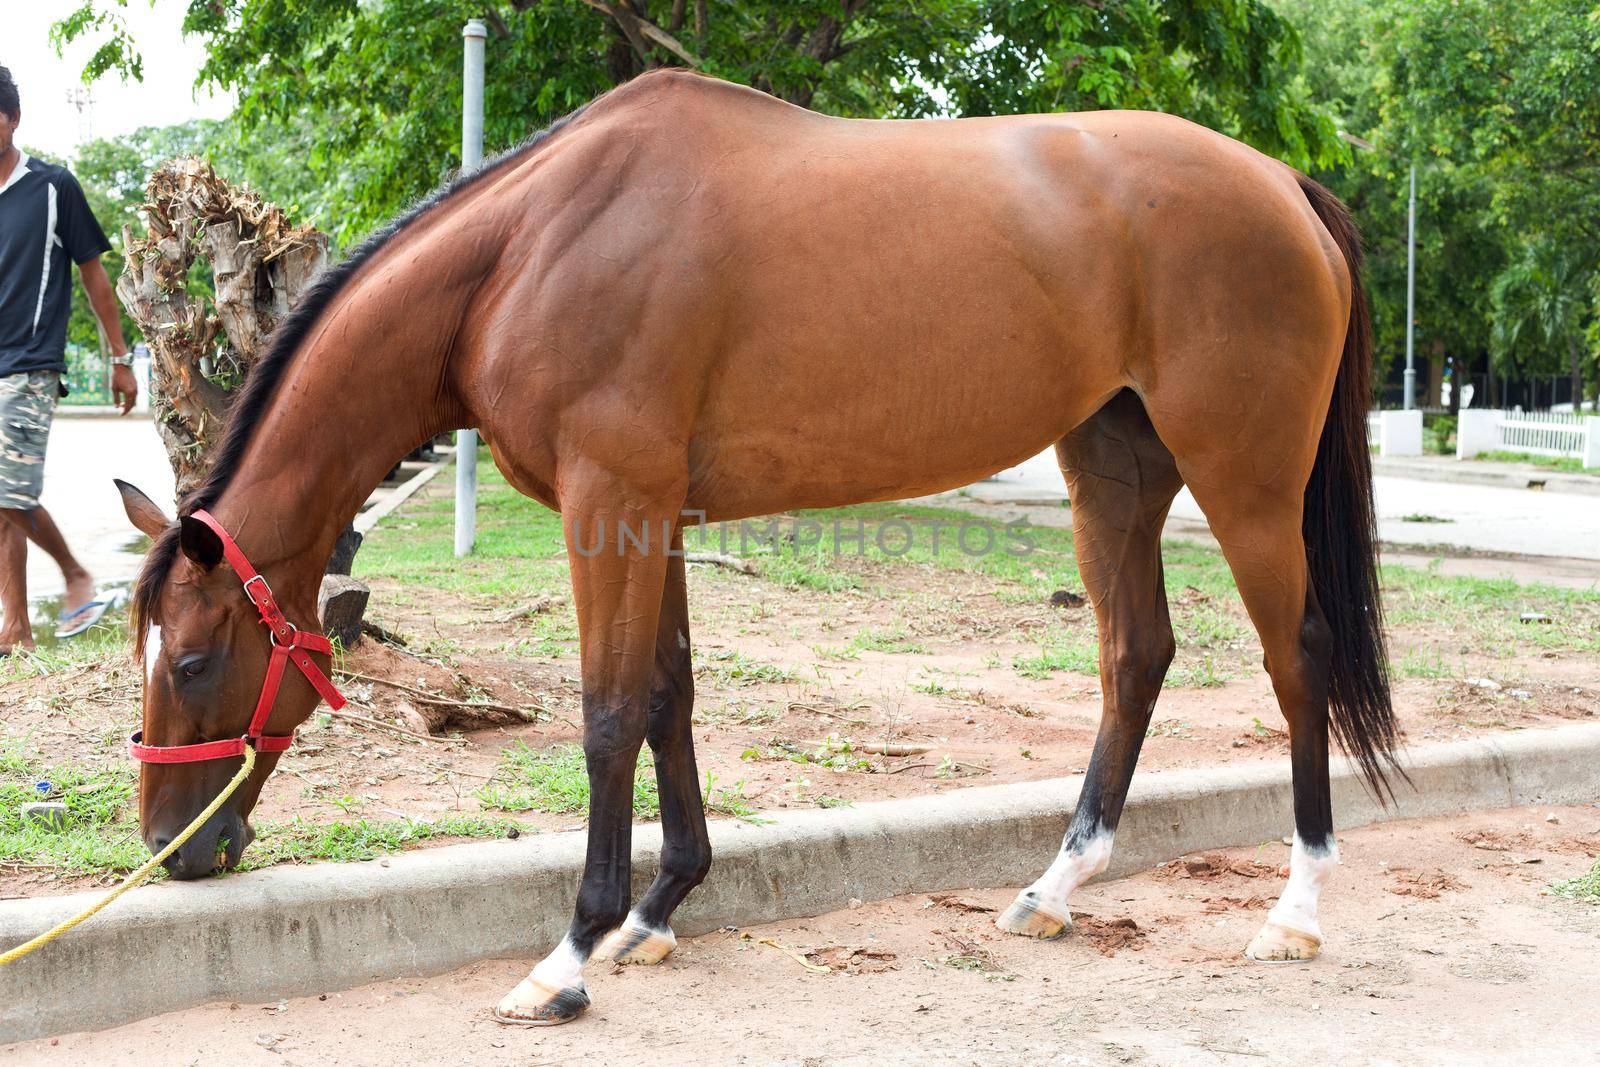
x,y
690,298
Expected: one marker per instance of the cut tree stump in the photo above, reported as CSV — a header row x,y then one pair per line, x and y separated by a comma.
x,y
344,551
341,602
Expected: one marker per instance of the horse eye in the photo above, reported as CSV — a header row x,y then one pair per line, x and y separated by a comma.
x,y
192,666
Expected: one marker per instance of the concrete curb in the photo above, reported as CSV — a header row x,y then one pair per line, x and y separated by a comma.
x,y
291,931
370,518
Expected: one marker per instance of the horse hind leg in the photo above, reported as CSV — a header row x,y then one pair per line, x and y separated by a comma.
x,y
1258,524
1121,479
645,936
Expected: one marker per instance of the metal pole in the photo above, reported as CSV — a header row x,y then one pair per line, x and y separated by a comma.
x,y
474,35
1411,295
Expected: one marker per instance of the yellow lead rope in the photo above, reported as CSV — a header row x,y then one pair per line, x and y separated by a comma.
x,y
144,869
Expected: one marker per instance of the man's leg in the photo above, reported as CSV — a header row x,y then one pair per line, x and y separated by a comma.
x,y
27,405
15,631
37,526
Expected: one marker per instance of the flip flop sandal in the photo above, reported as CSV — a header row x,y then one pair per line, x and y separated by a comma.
x,y
76,622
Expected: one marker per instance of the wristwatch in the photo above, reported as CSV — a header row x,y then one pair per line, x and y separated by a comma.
x,y
124,360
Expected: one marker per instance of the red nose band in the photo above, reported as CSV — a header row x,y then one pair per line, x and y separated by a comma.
x,y
289,645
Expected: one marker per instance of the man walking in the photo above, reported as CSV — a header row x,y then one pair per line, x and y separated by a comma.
x,y
45,227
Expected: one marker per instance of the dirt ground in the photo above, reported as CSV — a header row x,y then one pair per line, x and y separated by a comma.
x,y
1444,947
795,688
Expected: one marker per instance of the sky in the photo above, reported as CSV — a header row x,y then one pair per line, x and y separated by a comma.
x,y
53,125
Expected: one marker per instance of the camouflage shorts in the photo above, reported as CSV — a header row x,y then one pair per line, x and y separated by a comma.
x,y
27,402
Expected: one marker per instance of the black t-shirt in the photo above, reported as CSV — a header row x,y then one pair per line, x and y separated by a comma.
x,y
45,227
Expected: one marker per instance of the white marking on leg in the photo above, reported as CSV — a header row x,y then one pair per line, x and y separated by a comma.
x,y
562,969
152,652
1309,869
1069,871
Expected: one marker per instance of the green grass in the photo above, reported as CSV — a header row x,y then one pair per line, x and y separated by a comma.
x,y
1424,663
892,642
1059,656
106,641
298,841
1489,610
520,551
730,669
101,833
556,780
1585,887
1564,464
1201,674
832,753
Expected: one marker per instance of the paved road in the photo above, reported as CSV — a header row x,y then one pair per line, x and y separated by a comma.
x,y
85,454
1478,518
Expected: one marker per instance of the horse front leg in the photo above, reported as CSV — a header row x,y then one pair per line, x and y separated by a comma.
x,y
646,936
619,567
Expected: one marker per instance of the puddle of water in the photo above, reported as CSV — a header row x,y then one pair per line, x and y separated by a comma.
x,y
45,612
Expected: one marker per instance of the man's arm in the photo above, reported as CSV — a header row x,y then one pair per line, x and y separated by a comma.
x,y
124,388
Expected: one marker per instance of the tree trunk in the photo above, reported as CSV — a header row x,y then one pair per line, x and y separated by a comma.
x,y
260,264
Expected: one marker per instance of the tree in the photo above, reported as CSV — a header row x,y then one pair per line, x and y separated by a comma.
x,y
375,86
1497,104
1540,303
203,343
1499,101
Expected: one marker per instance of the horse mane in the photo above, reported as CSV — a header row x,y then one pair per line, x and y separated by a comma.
x,y
261,384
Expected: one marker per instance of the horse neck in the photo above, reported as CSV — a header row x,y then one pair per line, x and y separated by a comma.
x,y
365,388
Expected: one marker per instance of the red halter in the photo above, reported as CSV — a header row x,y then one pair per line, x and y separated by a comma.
x,y
289,644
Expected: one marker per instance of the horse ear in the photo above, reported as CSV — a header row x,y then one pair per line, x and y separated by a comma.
x,y
200,543
142,511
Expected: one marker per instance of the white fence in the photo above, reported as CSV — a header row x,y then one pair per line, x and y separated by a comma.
x,y
1395,433
1540,433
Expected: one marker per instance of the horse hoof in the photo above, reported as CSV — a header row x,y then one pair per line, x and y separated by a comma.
x,y
630,943
1280,944
533,1003
1027,919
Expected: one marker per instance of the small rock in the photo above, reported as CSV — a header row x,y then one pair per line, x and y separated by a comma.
x,y
855,902
48,813
1066,598
1552,818
1483,683
1535,616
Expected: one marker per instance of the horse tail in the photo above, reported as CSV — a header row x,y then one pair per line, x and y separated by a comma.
x,y
1341,532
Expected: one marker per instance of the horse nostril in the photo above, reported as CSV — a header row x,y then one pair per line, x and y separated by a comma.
x,y
160,841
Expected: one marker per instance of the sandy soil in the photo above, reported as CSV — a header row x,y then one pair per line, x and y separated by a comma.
x,y
1443,948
